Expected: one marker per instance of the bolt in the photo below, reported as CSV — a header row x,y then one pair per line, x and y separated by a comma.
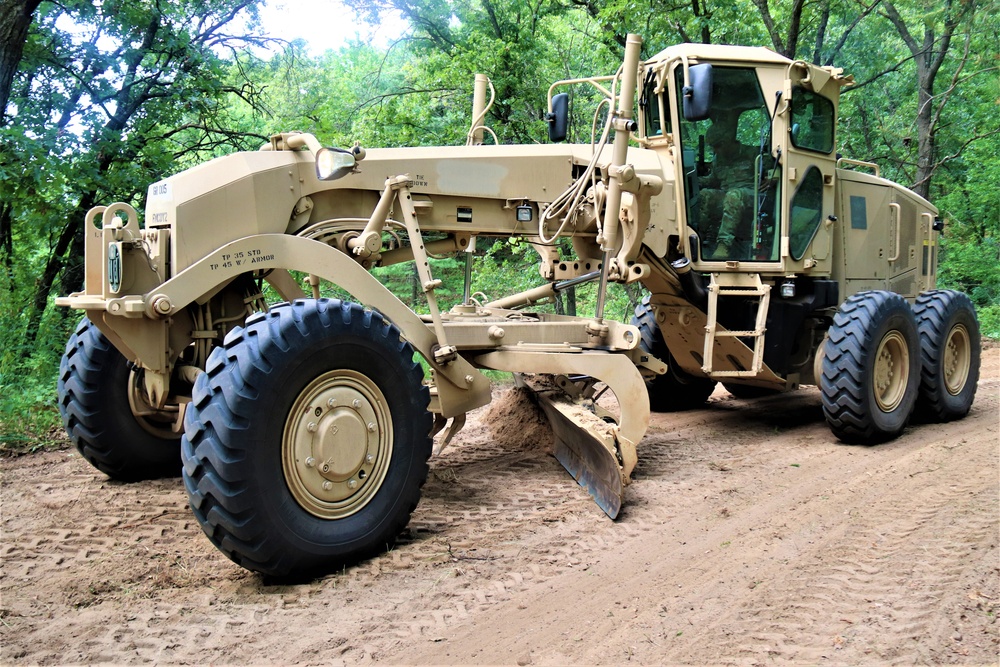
x,y
469,379
371,427
356,403
351,483
370,458
162,305
311,427
327,486
310,462
332,403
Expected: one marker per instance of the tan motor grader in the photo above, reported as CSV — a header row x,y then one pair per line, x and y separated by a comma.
x,y
305,427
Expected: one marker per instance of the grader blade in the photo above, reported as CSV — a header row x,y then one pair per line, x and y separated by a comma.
x,y
585,446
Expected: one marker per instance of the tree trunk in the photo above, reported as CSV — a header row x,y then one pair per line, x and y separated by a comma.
x,y
15,19
929,55
7,235
55,264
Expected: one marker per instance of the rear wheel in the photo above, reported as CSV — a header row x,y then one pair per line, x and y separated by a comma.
x,y
949,354
871,368
674,390
105,416
307,439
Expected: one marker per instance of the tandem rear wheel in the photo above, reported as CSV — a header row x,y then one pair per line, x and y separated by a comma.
x,y
871,368
949,354
307,439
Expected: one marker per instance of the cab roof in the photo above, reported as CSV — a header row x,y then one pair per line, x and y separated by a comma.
x,y
716,52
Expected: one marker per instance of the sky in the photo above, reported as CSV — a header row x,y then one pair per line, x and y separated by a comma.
x,y
324,24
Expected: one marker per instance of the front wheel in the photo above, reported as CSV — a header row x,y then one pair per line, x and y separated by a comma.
x,y
871,368
307,439
675,390
101,404
949,354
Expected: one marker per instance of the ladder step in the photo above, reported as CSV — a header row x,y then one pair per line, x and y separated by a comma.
x,y
729,291
758,291
740,334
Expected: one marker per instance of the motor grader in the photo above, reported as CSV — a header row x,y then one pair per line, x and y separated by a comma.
x,y
305,427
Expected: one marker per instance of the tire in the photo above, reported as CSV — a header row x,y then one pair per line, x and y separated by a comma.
x,y
675,390
94,390
276,499
871,368
949,354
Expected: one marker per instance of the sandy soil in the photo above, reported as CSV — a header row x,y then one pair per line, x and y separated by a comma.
x,y
750,536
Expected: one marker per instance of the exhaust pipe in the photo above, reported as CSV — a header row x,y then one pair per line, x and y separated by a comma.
x,y
691,283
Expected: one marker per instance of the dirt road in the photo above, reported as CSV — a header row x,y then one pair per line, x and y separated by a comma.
x,y
750,536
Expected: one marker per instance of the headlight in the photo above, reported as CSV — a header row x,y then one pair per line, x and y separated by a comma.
x,y
333,163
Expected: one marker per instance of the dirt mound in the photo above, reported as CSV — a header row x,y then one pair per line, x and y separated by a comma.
x,y
517,423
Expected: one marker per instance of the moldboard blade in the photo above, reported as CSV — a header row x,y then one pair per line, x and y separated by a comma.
x,y
584,455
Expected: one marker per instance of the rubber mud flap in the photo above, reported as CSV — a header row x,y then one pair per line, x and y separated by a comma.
x,y
584,455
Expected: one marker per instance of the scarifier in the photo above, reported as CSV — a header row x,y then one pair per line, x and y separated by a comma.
x,y
304,427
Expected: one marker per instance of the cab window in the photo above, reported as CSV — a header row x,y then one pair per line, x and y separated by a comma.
x,y
730,177
652,105
812,121
806,211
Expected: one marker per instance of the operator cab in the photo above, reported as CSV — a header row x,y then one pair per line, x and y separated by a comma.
x,y
742,125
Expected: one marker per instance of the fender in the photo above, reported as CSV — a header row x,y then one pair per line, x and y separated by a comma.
x,y
465,387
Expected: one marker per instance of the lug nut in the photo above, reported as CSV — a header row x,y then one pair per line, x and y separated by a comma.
x,y
371,427
311,427
356,403
332,403
310,462
327,486
351,483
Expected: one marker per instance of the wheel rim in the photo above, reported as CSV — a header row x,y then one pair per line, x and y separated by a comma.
x,y
337,444
957,359
892,370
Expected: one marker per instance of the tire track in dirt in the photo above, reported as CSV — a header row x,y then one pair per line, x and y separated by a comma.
x,y
803,540
863,580
748,535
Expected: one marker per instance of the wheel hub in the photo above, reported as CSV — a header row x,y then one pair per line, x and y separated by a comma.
x,y
337,444
892,369
957,360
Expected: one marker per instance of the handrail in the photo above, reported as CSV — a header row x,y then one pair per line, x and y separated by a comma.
x,y
898,211
858,163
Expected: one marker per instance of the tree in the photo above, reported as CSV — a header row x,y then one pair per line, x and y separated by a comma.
x,y
15,19
929,49
100,101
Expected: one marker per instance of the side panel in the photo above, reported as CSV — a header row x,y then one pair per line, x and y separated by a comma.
x,y
886,237
225,199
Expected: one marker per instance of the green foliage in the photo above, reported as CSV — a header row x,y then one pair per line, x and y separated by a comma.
x,y
112,96
108,98
28,411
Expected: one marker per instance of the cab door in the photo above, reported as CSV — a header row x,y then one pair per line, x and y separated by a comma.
x,y
810,118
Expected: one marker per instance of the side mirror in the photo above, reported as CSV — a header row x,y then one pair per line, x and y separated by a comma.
x,y
334,163
698,95
558,117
